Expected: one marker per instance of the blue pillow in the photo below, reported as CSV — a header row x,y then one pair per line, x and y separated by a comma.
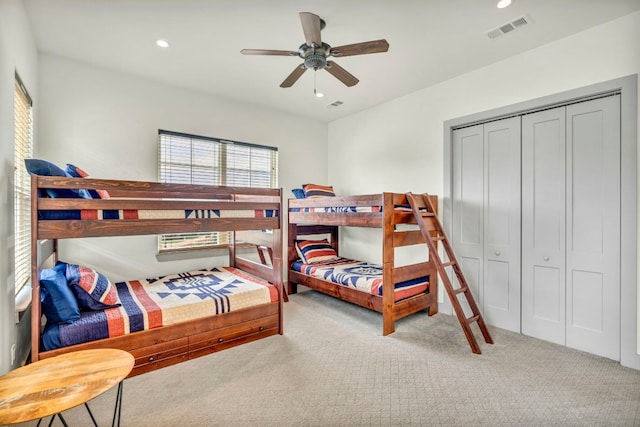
x,y
76,172
58,303
299,193
45,168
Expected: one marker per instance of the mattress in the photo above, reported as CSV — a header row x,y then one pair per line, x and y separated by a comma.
x,y
358,209
360,275
100,214
156,302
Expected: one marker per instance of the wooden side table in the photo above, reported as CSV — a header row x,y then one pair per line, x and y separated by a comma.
x,y
51,386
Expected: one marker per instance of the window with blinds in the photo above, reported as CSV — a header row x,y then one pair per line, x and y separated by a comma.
x,y
23,149
193,159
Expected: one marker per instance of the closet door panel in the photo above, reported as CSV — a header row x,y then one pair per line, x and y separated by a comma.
x,y
496,291
588,311
593,226
472,269
501,294
548,297
543,225
468,193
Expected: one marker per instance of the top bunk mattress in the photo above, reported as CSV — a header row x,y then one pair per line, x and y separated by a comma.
x,y
359,209
124,214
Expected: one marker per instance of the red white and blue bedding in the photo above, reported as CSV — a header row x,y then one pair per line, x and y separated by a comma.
x,y
161,301
358,209
359,275
100,214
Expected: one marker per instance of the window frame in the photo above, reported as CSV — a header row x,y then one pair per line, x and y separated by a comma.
x,y
23,149
227,165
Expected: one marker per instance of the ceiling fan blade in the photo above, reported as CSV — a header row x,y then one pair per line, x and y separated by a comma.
x,y
268,52
311,25
294,76
341,74
374,46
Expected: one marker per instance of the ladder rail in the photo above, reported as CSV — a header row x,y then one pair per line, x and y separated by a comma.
x,y
425,215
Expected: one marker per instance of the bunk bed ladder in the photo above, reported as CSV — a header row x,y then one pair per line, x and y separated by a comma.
x,y
433,233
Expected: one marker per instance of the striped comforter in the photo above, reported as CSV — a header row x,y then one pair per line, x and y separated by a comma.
x,y
161,301
358,209
99,214
359,275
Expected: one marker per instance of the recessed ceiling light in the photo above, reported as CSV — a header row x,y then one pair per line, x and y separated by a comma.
x,y
503,3
162,43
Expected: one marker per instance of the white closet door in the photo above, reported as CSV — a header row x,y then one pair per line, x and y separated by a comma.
x,y
468,205
501,290
593,226
543,225
486,217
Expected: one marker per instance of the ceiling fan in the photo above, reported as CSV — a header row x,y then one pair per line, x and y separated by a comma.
x,y
316,54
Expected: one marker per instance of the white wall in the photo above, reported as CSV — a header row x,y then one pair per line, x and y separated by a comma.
x,y
399,145
107,123
17,53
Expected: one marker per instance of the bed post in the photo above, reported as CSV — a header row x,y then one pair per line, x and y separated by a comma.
x,y
335,238
277,264
292,288
433,276
36,315
388,297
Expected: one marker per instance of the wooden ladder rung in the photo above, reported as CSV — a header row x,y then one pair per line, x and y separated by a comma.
x,y
460,290
448,264
427,214
472,319
438,238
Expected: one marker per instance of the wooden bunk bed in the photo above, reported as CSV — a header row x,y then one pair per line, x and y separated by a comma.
x,y
387,211
246,212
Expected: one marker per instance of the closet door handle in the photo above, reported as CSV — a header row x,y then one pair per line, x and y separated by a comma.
x,y
497,253
546,258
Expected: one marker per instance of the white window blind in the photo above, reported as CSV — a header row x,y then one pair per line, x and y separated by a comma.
x,y
193,159
23,149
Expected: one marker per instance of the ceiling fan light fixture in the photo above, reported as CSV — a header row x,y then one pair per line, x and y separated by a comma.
x,y
315,61
503,3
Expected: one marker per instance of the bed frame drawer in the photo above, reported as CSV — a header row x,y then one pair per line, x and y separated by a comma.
x,y
219,339
159,355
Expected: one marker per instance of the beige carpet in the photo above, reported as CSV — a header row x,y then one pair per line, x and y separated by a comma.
x,y
333,367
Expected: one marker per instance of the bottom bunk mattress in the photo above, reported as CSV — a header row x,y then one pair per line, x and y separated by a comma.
x,y
359,275
161,301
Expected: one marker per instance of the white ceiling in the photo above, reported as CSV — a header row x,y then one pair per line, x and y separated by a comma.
x,y
430,41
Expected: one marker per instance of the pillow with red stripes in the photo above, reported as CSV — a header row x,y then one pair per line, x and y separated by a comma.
x,y
93,290
311,251
313,190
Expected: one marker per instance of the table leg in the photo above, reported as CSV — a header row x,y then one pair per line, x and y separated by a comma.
x,y
95,423
118,408
64,422
53,417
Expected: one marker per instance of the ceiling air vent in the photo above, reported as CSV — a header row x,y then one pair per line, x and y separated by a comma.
x,y
509,27
336,104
